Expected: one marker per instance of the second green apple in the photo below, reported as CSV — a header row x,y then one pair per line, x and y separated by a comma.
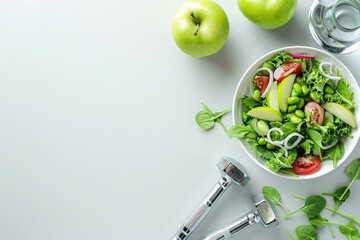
x,y
268,14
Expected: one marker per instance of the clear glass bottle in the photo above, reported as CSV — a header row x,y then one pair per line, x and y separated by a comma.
x,y
335,25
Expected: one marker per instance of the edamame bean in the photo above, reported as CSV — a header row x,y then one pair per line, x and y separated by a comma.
x,y
299,113
331,84
257,95
315,96
262,126
292,100
301,103
305,89
244,117
291,108
329,89
262,141
268,65
251,135
295,120
327,96
270,146
297,88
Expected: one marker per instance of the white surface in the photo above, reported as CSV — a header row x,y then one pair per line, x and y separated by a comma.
x,y
98,138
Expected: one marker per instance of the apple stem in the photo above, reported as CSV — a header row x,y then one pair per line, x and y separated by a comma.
x,y
197,29
196,22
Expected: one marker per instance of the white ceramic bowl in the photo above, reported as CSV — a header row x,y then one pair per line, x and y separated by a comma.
x,y
243,89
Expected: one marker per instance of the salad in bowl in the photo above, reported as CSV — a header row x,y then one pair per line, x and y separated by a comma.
x,y
295,111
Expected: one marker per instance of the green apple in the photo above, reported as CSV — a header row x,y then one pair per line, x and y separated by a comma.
x,y
200,28
284,91
265,113
340,112
268,14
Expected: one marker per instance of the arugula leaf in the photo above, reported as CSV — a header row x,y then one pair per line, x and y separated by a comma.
x,y
261,151
249,102
278,160
279,58
306,146
241,131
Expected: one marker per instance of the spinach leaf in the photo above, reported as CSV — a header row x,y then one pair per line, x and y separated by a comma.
x,y
319,220
335,153
306,232
345,215
350,231
336,196
315,136
344,92
353,171
206,119
312,207
273,196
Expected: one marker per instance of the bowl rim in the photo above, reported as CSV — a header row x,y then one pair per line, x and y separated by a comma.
x,y
345,71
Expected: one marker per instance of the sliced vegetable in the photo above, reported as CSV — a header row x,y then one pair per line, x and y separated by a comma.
x,y
306,165
298,136
272,97
284,91
302,55
259,126
286,69
262,82
265,113
328,73
341,112
317,112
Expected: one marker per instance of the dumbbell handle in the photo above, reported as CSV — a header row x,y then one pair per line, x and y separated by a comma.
x,y
203,209
234,227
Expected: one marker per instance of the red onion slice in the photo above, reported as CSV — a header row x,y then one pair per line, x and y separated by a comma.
x,y
302,55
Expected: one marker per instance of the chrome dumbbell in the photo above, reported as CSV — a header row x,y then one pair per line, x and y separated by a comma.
x,y
232,172
262,213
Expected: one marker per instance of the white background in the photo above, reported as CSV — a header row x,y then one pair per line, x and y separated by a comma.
x,y
97,132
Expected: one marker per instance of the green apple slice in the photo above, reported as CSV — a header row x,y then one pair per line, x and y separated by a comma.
x,y
265,113
340,112
272,97
284,91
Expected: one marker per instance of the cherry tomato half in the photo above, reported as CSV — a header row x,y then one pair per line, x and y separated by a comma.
x,y
317,112
262,82
286,69
306,165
